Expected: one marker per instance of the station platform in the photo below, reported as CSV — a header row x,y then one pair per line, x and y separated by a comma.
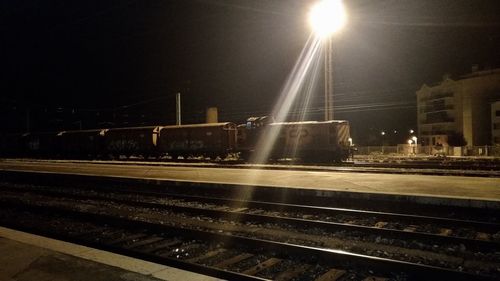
x,y
27,257
480,192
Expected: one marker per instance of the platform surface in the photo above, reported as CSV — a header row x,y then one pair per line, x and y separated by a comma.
x,y
469,188
27,257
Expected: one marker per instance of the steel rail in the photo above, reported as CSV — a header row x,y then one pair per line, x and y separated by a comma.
x,y
331,211
79,239
475,244
309,209
417,271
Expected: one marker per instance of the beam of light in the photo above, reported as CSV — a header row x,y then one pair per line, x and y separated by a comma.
x,y
307,66
316,68
327,17
309,57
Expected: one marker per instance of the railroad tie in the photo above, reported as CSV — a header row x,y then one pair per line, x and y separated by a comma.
x,y
445,231
227,263
411,228
239,210
83,235
483,236
292,272
144,242
381,224
126,239
261,266
374,278
162,245
206,255
331,275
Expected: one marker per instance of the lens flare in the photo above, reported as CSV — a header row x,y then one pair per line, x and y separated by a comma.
x,y
307,63
300,83
327,17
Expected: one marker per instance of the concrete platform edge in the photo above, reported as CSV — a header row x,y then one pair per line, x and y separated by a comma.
x,y
376,196
155,270
430,200
343,168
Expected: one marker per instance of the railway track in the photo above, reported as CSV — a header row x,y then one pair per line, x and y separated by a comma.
x,y
482,168
217,254
477,235
401,229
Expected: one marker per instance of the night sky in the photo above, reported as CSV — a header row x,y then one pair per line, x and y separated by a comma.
x,y
98,63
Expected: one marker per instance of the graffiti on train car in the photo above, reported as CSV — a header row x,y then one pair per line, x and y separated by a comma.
x,y
196,144
123,145
177,145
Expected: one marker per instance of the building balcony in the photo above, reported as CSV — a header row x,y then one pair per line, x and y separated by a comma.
x,y
436,97
434,108
435,121
434,133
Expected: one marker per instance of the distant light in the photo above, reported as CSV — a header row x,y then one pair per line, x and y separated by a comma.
x,y
382,133
410,141
414,139
327,17
411,131
395,131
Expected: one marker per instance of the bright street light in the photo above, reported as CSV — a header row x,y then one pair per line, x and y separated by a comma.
x,y
327,17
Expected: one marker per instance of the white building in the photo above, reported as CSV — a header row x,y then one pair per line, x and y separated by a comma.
x,y
460,105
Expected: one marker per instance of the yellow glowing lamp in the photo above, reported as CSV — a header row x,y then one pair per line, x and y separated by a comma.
x,y
327,17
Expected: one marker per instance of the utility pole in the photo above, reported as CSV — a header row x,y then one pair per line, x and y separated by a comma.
x,y
178,108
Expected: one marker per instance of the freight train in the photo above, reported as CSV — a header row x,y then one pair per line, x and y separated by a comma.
x,y
311,141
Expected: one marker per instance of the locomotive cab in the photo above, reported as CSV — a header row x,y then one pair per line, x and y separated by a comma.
x,y
249,133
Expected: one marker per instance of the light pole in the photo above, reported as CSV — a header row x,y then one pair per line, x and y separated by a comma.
x,y
328,79
416,144
326,18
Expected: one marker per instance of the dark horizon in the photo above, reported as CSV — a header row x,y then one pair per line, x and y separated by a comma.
x,y
81,64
